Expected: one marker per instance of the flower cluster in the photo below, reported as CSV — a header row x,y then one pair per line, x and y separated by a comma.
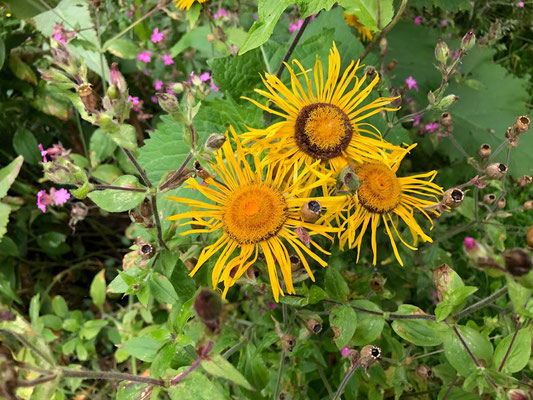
x,y
54,198
320,170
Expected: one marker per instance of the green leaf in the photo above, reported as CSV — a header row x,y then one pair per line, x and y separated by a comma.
x,y
24,8
163,359
308,8
51,101
316,294
417,331
126,137
457,355
119,200
335,285
344,320
8,248
193,14
26,145
133,391
2,53
195,387
218,366
59,305
367,12
162,289
459,295
90,329
8,175
20,69
520,298
519,355
107,173
122,48
144,348
268,15
4,218
101,147
196,38
443,309
97,290
369,326
53,243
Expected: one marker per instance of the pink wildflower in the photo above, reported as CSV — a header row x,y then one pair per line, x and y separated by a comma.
x,y
444,22
312,18
42,200
55,198
167,59
294,27
213,86
432,127
470,243
130,14
345,351
43,152
255,16
520,4
416,120
134,100
158,84
144,57
154,99
156,36
411,83
58,33
220,13
205,77
272,306
418,20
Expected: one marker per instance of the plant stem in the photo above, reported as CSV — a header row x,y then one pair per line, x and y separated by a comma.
x,y
292,46
344,382
110,375
194,365
127,189
482,303
38,381
100,50
518,326
156,8
324,380
278,380
450,388
137,167
177,173
30,345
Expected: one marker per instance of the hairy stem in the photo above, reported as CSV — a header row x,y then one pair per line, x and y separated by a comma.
x,y
518,326
38,381
480,304
194,365
344,382
110,375
127,189
449,390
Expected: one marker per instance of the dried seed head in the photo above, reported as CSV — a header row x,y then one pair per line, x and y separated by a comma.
x,y
310,211
371,351
395,93
441,279
208,305
348,178
528,205
90,99
524,181
424,372
288,342
495,170
489,198
200,171
522,124
529,237
501,203
453,197
314,326
296,263
484,151
517,394
145,209
446,119
376,283
214,142
145,249
517,262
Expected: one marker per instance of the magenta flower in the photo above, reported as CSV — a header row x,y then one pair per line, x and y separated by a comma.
x,y
55,198
154,99
156,36
312,18
444,22
158,84
432,127
134,100
144,57
206,76
294,27
345,351
255,16
42,200
411,83
43,152
470,243
520,4
272,306
418,20
58,33
220,13
213,86
416,120
167,59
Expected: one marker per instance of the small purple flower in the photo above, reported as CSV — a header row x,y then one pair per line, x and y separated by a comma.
x,y
154,99
455,54
312,18
43,152
520,4
345,351
206,76
220,13
272,306
470,243
255,16
157,36
444,22
213,86
418,20
134,100
130,14
42,200
167,59
411,83
59,196
294,27
158,84
432,127
417,119
144,57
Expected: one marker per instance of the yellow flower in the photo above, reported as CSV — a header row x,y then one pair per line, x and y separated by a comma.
x,y
352,20
382,196
255,208
186,4
322,122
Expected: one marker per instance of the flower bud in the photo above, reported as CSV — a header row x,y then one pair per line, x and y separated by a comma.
x,y
310,211
214,142
200,171
453,197
168,102
391,65
517,262
521,124
208,305
484,151
424,372
447,101
287,343
431,98
196,81
348,178
501,203
314,326
117,79
517,394
442,52
495,170
446,119
524,181
489,198
528,205
176,87
64,172
469,40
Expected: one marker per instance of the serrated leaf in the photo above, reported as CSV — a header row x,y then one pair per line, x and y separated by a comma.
x,y
417,331
218,366
344,320
520,298
119,200
458,357
4,218
8,175
308,8
519,354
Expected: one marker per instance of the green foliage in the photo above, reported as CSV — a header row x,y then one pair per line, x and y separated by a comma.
x,y
367,12
119,200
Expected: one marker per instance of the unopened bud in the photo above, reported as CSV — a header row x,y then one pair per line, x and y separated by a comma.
x,y
288,342
446,119
517,262
176,87
469,40
383,45
501,203
529,237
214,142
145,208
424,372
517,394
348,178
495,170
370,71
489,198
431,98
524,181
528,205
117,79
314,326
448,101
64,172
521,124
391,65
196,81
442,52
200,171
168,102
453,197
484,151
208,305
310,211
90,99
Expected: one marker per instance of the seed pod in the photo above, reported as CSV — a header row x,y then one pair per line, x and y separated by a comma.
x,y
208,305
424,372
446,119
145,250
489,198
495,170
395,93
517,394
168,102
287,342
91,100
214,142
522,124
484,151
501,203
348,178
528,205
469,40
442,52
524,181
391,65
117,79
310,211
200,171
453,197
296,263
145,209
376,283
371,352
314,326
529,237
517,262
